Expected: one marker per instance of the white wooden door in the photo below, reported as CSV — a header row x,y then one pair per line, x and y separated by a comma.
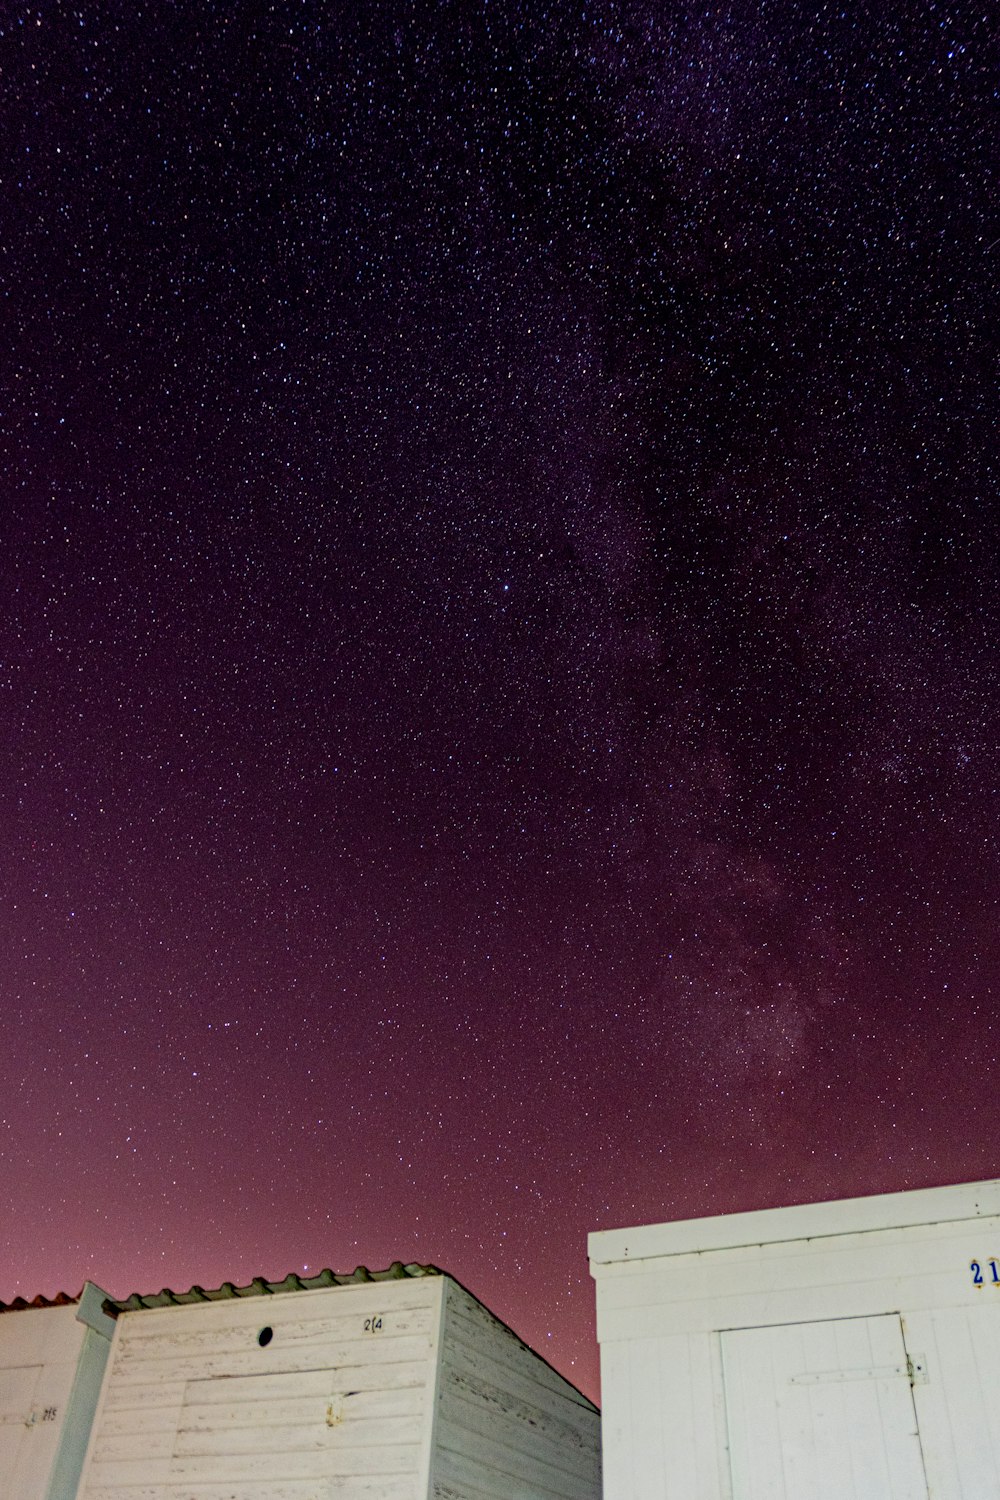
x,y
822,1411
18,1417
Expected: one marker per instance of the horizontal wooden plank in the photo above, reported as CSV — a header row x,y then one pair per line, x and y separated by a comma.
x,y
170,1343
281,1308
301,1437
370,1379
132,1395
274,1359
246,1412
144,1420
118,1474
453,1490
319,1435
127,1398
969,1202
515,1453
388,1459
563,1428
458,1474
467,1319
507,1422
481,1487
911,1254
349,1487
52,1335
572,1452
469,1360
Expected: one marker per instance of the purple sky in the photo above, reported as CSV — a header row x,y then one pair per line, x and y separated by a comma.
x,y
498,716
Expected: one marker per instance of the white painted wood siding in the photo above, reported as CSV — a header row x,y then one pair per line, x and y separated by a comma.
x,y
51,1365
958,1408
662,1420
507,1426
664,1320
954,1204
337,1406
26,1448
800,1281
822,1409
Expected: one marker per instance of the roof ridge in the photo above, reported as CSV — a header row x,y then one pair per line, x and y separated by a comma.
x,y
260,1286
21,1304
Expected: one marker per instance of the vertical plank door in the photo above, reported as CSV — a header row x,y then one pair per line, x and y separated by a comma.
x,y
822,1411
17,1427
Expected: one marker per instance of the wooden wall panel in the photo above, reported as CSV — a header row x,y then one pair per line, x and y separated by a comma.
x,y
506,1423
335,1405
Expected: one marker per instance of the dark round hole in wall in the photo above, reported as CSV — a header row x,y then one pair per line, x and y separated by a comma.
x,y
265,1336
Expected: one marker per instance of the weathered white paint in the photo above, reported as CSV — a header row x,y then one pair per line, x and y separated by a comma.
x,y
710,1333
506,1423
52,1362
953,1204
822,1409
336,1404
363,1390
958,1409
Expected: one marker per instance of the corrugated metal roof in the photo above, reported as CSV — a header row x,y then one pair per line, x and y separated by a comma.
x,y
21,1304
259,1287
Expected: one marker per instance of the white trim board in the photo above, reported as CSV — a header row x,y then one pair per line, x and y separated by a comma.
x,y
802,1221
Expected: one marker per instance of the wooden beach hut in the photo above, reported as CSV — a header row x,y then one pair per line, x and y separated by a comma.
x,y
397,1384
841,1351
53,1354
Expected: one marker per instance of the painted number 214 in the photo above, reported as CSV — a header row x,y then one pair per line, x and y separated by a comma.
x,y
373,1325
977,1272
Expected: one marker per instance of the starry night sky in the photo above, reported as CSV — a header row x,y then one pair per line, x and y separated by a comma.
x,y
499,551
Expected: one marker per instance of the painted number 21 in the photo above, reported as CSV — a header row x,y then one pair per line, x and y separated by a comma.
x,y
977,1272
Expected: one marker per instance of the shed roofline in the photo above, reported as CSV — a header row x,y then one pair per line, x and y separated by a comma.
x,y
261,1287
89,1304
801,1221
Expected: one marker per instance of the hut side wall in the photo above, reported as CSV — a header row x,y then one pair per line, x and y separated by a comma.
x,y
51,1365
506,1423
337,1403
662,1419
666,1325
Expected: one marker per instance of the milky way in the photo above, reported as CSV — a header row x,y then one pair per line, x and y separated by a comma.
x,y
498,731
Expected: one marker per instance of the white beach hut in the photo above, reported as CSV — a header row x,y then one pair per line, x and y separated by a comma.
x,y
52,1359
835,1351
398,1385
